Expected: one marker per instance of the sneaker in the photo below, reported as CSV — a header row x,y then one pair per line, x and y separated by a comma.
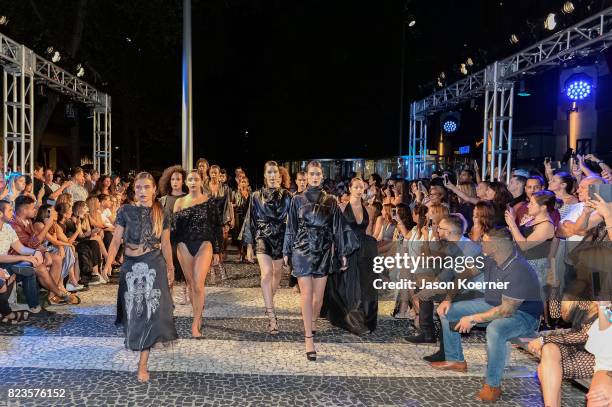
x,y
95,280
74,288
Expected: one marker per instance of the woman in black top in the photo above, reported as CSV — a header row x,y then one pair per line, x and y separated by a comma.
x,y
241,202
264,228
315,238
351,300
197,233
220,195
172,187
144,303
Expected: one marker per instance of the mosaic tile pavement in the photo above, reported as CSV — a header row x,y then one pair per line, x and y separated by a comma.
x,y
80,351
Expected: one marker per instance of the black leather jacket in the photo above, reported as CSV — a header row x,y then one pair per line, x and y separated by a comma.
x,y
267,217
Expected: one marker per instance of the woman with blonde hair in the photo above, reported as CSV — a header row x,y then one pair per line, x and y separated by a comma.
x,y
144,303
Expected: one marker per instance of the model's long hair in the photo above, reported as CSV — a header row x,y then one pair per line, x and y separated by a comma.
x,y
164,187
157,212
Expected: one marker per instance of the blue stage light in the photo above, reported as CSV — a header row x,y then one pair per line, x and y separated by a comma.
x,y
578,87
449,126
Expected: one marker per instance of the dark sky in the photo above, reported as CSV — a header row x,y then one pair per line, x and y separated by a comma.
x,y
307,79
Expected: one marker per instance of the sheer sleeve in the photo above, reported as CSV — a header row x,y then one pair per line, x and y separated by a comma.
x,y
121,218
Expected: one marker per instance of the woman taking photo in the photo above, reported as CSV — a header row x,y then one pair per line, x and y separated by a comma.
x,y
315,237
351,300
198,236
144,303
264,232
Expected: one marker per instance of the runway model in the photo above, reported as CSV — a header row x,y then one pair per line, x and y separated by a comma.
x,y
352,301
264,228
144,303
315,228
197,232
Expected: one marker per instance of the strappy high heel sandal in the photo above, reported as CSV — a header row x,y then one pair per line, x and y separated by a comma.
x,y
272,322
222,272
312,355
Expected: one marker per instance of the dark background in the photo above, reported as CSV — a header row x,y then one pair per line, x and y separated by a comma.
x,y
306,79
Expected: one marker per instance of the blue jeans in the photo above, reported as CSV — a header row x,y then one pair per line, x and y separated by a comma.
x,y
499,332
29,285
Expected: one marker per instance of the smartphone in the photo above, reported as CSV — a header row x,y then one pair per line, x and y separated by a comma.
x,y
604,190
547,160
430,224
393,213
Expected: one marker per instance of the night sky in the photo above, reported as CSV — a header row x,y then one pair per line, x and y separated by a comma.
x,y
306,79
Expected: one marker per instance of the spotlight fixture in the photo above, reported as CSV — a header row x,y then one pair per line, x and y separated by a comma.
x,y
4,20
469,62
463,69
442,75
551,22
80,71
523,90
514,39
56,57
412,23
578,87
449,122
440,82
49,50
568,7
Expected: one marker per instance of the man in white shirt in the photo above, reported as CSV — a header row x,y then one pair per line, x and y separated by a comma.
x,y
77,189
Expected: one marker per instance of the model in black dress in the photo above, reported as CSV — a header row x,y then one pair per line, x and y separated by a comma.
x,y
316,237
241,201
144,303
171,188
220,196
197,233
351,300
264,228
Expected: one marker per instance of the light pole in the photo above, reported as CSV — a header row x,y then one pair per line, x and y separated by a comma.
x,y
187,119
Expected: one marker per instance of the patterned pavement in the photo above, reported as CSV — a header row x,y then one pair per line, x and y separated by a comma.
x,y
80,352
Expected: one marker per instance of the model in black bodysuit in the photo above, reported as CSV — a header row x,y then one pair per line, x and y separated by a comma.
x,y
197,232
264,228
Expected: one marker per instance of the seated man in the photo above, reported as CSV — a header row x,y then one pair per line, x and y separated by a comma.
x,y
49,275
511,308
19,263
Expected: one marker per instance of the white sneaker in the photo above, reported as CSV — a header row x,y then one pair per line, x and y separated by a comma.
x,y
74,288
95,280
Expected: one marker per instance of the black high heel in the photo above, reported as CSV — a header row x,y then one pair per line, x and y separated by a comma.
x,y
272,329
312,355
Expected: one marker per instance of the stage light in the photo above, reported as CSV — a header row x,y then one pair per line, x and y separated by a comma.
x,y
568,7
412,23
449,126
578,87
514,39
551,22
56,57
469,62
449,122
523,90
4,20
463,69
442,75
80,71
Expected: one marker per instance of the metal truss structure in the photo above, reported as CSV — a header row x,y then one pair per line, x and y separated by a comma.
x,y
417,145
22,69
496,84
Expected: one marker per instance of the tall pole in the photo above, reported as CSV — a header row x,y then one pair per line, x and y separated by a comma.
x,y
187,122
401,109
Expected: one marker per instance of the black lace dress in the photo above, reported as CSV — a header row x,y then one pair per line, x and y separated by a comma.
x,y
196,224
316,236
144,303
351,301
266,219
